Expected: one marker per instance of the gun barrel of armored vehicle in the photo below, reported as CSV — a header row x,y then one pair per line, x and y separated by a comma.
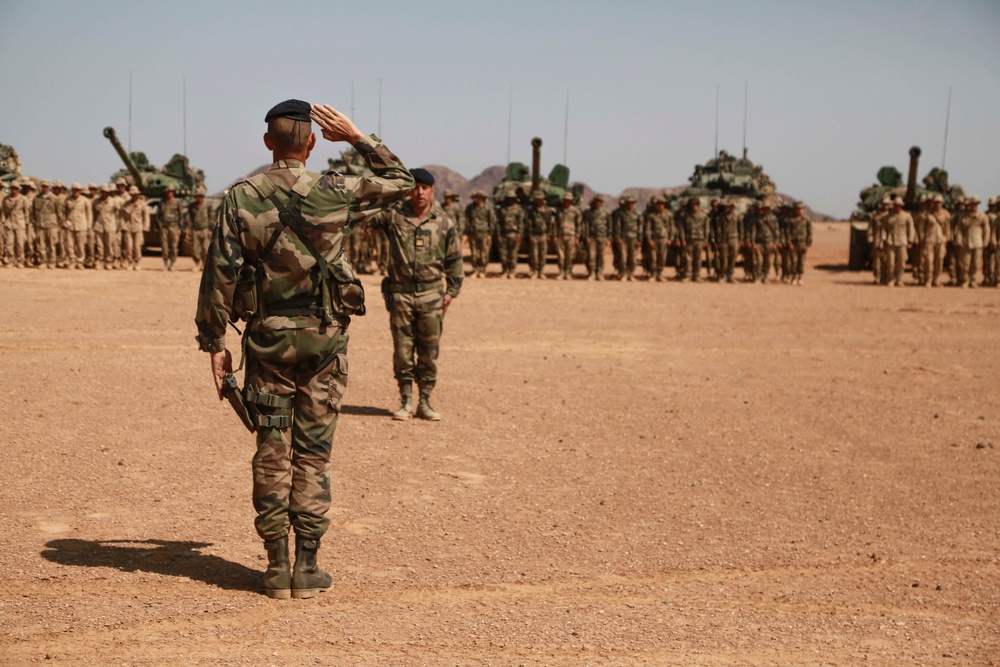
x,y
536,162
911,178
109,133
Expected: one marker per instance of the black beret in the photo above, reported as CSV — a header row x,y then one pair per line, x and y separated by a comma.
x,y
294,109
421,175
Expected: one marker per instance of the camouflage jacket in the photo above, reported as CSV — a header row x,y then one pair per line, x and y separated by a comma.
x,y
973,231
596,224
799,231
659,226
628,226
510,220
45,211
568,220
692,227
16,213
480,220
457,215
422,252
172,213
765,229
248,219
540,221
200,217
133,216
937,227
78,214
106,215
728,228
899,230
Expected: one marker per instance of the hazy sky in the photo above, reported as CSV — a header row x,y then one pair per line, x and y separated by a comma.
x,y
836,89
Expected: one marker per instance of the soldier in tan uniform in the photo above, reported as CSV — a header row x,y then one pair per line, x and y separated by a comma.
x,y
935,235
133,220
107,243
899,234
876,237
93,194
79,220
990,258
46,214
567,228
972,233
16,219
59,190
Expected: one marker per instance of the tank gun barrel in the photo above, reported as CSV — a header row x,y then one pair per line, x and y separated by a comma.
x,y
109,133
911,178
536,161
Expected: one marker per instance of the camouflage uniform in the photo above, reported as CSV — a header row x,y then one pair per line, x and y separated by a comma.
x,y
972,234
628,232
765,235
596,225
539,226
16,217
567,227
133,220
173,220
79,220
798,239
748,246
660,230
727,234
693,231
510,223
296,339
993,214
876,238
480,224
200,222
46,213
454,211
615,232
106,244
898,233
422,253
936,232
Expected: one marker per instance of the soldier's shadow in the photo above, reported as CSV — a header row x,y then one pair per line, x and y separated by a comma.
x,y
175,559
364,411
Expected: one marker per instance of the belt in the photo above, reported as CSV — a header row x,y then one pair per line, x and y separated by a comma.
x,y
411,288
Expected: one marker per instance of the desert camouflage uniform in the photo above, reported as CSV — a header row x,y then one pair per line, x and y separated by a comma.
x,y
133,220
728,233
421,255
296,346
45,210
480,224
173,220
972,233
899,232
660,230
106,243
936,232
510,224
539,226
798,240
4,250
455,211
16,218
614,231
627,234
693,233
79,220
993,213
567,227
201,223
596,225
748,247
765,235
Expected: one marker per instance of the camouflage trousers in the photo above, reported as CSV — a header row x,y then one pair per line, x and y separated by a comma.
x,y
694,252
48,245
131,247
796,260
895,263
763,260
106,247
170,241
480,248
381,251
416,321
75,250
291,469
508,253
595,257
726,252
536,253
932,258
658,252
628,262
200,241
971,260
566,250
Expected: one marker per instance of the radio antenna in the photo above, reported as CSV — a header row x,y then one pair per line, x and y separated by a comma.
x,y
746,92
566,129
716,154
947,121
510,116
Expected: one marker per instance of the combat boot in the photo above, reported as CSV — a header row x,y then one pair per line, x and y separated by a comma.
x,y
307,579
424,409
405,402
277,580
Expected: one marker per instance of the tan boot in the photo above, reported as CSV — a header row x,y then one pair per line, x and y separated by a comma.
x,y
277,580
424,409
405,402
307,579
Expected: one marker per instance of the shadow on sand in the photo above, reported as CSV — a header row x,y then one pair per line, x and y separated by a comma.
x,y
364,411
175,559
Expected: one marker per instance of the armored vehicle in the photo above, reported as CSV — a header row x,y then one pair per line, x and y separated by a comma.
x,y
10,165
726,178
153,183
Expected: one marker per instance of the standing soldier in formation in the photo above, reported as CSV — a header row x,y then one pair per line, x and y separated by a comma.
x,y
45,210
935,235
16,219
992,258
59,191
876,235
201,223
920,215
692,225
480,223
747,246
798,240
567,228
972,233
614,231
173,219
716,210
596,225
453,209
660,229
3,225
510,222
93,194
133,220
765,236
79,221
31,256
629,231
106,236
425,274
728,232
952,257
899,236
539,226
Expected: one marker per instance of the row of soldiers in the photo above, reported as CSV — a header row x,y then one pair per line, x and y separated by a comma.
x,y
767,242
960,243
93,227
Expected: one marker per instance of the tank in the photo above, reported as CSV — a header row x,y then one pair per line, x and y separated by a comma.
x,y
350,163
10,164
889,183
153,183
727,178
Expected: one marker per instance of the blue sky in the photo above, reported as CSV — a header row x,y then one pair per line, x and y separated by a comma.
x,y
836,89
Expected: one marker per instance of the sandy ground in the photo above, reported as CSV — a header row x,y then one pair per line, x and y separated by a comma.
x,y
627,474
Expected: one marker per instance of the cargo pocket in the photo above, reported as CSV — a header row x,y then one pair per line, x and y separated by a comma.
x,y
337,383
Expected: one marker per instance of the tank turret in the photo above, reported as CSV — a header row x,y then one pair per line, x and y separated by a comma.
x,y
133,170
